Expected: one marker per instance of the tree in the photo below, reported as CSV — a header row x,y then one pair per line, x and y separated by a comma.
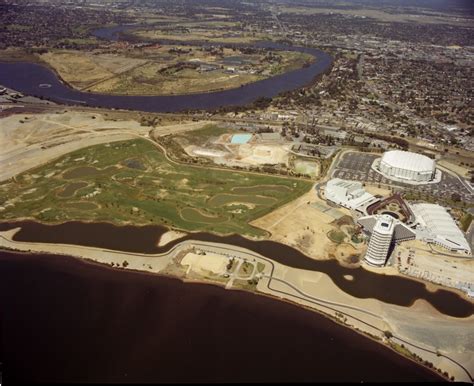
x,y
388,334
125,264
456,197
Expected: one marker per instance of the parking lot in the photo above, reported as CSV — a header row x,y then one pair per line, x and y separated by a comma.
x,y
446,271
357,166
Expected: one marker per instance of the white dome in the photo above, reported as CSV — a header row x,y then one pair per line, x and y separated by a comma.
x,y
408,166
409,161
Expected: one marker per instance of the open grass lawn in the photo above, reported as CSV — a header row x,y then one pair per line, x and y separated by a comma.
x,y
131,181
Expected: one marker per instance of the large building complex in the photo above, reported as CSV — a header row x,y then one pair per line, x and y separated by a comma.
x,y
435,225
349,194
394,206
407,166
384,231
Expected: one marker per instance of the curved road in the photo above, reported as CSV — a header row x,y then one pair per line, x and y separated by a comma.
x,y
301,295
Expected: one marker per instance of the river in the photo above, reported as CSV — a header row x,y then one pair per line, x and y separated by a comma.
x,y
64,320
27,78
364,284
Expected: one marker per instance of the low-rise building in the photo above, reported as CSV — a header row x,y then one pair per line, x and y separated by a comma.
x,y
349,194
338,134
435,225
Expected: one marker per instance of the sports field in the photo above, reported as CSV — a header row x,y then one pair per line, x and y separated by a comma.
x,y
133,182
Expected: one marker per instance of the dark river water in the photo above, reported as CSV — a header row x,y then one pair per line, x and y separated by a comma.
x,y
390,289
27,78
65,320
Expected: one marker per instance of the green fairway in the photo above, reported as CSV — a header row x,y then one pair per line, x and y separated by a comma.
x,y
133,182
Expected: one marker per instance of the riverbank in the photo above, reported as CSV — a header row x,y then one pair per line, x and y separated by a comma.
x,y
12,75
135,327
163,70
316,290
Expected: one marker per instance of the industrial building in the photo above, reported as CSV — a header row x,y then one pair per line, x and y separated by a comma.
x,y
384,231
435,225
349,194
407,166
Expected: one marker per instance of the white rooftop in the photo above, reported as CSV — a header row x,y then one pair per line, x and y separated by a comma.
x,y
436,220
349,194
385,224
408,161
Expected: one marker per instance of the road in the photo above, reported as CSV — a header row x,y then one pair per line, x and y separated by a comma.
x,y
295,294
41,108
470,236
281,26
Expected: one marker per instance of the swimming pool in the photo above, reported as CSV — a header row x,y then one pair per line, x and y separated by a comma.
x,y
240,138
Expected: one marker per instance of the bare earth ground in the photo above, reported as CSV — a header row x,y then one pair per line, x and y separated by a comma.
x,y
420,324
221,151
372,189
257,154
34,139
463,171
82,69
202,263
254,154
139,71
305,228
434,264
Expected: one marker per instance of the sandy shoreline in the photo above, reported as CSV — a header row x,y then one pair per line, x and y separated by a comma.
x,y
170,236
367,315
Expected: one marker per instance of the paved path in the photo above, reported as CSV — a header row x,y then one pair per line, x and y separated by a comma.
x,y
295,294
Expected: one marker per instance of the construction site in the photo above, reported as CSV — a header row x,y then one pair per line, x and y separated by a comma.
x,y
239,149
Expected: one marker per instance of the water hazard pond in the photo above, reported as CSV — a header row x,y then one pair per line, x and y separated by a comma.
x,y
363,284
70,189
86,171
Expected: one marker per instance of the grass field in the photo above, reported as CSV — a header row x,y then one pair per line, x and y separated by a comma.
x,y
133,182
147,80
212,31
15,54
